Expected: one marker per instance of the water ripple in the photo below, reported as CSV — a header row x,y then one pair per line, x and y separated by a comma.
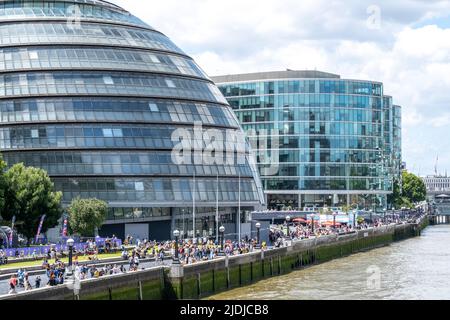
x,y
413,269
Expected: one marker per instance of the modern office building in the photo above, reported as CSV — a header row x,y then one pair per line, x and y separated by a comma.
x,y
321,140
94,96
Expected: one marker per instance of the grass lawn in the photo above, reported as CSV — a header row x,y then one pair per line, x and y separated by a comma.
x,y
66,260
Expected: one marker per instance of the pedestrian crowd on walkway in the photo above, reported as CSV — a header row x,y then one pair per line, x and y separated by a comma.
x,y
189,251
21,279
299,231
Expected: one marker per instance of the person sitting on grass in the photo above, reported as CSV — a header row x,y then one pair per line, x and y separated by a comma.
x,y
3,257
94,257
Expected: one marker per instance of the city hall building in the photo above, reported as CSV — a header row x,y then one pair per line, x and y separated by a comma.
x,y
93,95
320,140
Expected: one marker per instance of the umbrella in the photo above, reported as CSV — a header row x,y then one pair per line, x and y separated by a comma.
x,y
301,220
330,223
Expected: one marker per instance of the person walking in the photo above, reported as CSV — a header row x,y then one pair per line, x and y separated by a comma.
x,y
12,285
28,286
37,282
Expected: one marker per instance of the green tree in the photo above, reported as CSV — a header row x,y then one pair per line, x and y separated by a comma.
x,y
411,190
85,215
29,194
414,188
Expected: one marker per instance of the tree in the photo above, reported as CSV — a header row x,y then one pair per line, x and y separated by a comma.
x,y
29,194
414,188
85,215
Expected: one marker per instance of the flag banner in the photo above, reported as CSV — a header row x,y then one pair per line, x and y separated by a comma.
x,y
40,227
11,235
65,223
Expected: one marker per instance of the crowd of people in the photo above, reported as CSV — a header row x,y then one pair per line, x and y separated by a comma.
x,y
205,250
52,251
299,231
22,280
189,251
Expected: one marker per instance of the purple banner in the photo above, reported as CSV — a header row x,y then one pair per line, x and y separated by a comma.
x,y
11,235
64,231
43,250
40,227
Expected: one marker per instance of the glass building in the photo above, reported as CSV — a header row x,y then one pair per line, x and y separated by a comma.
x,y
320,140
94,95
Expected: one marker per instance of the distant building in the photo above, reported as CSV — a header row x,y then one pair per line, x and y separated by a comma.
x,y
333,141
437,183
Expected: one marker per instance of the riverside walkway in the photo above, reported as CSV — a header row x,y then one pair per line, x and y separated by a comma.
x,y
293,245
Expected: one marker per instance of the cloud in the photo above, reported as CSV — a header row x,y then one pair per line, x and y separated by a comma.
x,y
409,52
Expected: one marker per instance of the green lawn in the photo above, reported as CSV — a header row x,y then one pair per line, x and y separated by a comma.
x,y
66,260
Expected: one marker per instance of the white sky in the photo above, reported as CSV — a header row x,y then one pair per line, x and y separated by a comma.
x,y
406,46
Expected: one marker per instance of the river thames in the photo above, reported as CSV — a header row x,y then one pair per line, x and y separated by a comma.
x,y
417,268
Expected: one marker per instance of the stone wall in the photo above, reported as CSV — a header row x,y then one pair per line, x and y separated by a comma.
x,y
206,278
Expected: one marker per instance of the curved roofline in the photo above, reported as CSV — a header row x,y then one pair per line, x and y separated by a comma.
x,y
288,74
92,2
82,20
281,75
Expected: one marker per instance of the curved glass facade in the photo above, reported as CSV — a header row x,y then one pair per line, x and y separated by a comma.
x,y
331,141
94,96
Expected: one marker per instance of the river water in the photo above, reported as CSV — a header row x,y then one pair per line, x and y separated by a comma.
x,y
417,268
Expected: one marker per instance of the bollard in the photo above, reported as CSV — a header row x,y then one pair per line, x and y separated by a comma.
x,y
279,264
263,262
199,285
240,275
140,291
271,267
228,272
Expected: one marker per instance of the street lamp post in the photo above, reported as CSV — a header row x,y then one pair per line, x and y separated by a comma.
x,y
384,218
334,220
70,243
176,259
312,223
371,215
354,219
288,220
222,236
258,227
